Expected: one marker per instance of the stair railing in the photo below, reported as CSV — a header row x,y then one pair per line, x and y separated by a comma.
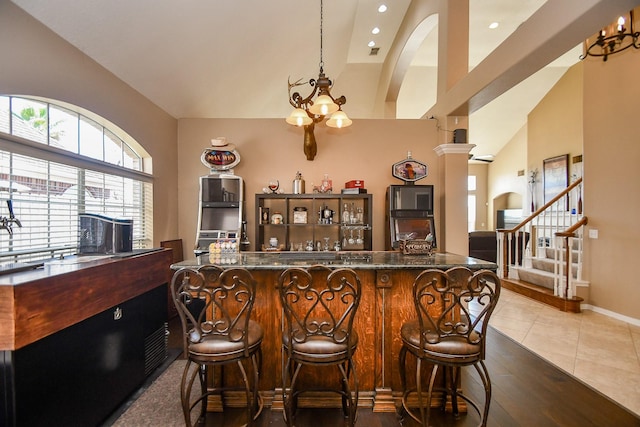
x,y
565,268
537,233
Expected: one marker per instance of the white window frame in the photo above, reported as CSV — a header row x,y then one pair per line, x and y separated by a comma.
x,y
37,211
471,202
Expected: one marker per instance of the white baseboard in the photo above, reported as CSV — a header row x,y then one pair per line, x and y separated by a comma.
x,y
611,314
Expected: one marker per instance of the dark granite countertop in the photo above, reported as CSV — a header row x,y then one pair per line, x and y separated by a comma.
x,y
357,260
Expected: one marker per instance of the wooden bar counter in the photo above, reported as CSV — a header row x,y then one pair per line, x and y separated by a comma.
x,y
387,279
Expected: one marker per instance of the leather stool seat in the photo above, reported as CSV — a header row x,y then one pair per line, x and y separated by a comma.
x,y
456,349
321,349
219,348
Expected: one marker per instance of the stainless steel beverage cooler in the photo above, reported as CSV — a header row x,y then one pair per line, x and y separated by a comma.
x,y
100,234
409,214
220,214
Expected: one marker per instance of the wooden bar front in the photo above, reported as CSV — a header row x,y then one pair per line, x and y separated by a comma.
x,y
37,303
387,279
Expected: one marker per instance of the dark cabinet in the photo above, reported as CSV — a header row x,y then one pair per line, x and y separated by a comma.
x,y
81,374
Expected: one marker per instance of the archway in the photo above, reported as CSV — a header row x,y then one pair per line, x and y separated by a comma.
x,y
506,208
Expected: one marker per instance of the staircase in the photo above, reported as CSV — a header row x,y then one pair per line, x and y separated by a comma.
x,y
546,265
542,268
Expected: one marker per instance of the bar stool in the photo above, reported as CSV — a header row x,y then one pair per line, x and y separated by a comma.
x,y
214,306
319,306
453,310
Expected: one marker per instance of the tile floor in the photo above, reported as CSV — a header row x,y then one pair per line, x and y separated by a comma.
x,y
600,351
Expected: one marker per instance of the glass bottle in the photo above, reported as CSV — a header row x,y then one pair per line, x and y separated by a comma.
x,y
327,185
244,239
345,214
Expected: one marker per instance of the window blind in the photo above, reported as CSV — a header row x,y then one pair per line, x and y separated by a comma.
x,y
48,188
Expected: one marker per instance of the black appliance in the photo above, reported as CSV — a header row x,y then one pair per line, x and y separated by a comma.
x,y
409,214
220,214
100,234
110,354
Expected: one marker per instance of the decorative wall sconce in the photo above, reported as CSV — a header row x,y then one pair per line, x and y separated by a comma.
x,y
613,39
307,112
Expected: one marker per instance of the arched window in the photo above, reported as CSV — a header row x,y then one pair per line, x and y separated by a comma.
x,y
57,161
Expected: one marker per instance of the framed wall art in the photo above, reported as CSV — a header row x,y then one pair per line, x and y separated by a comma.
x,y
555,175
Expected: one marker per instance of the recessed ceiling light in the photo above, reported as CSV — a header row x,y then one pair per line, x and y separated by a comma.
x,y
493,25
375,30
382,8
371,43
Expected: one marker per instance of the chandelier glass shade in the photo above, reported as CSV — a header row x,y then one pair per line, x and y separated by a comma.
x,y
615,38
323,105
339,120
299,117
309,111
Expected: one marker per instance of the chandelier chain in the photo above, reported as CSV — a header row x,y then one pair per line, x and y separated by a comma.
x,y
309,111
321,35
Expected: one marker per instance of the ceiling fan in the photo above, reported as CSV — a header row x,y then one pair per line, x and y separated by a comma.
x,y
487,158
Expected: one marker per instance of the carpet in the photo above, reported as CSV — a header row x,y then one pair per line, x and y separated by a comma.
x,y
157,403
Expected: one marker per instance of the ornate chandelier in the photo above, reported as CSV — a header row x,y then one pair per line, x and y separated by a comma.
x,y
613,39
307,111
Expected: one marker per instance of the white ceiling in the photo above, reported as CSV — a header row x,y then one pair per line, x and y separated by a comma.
x,y
232,59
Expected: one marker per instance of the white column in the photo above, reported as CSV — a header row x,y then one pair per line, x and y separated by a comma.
x,y
454,166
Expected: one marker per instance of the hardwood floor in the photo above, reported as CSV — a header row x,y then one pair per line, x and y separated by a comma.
x,y
527,391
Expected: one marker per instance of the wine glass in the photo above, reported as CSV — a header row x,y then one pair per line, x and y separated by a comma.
x,y
274,185
359,239
325,247
351,239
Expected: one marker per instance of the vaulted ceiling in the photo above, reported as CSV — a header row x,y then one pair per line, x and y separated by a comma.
x,y
232,58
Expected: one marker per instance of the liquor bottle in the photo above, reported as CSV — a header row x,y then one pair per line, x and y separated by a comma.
x,y
345,214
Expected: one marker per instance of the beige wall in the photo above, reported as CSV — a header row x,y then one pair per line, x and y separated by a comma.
x,y
270,148
37,62
612,181
503,175
556,126
591,111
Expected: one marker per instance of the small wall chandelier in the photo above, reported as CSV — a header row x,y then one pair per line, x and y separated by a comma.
x,y
613,39
307,112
